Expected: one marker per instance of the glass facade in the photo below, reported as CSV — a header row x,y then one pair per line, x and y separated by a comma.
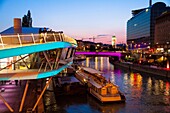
x,y
139,26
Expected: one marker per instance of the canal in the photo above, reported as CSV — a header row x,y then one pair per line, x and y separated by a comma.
x,y
144,93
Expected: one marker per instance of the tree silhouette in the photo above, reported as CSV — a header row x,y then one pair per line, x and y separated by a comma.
x,y
27,20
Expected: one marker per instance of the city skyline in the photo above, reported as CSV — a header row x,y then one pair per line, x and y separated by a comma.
x,y
79,19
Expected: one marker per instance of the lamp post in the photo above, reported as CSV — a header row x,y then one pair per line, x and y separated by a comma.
x,y
167,66
156,47
167,46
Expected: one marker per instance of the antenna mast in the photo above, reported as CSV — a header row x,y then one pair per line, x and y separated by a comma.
x,y
150,3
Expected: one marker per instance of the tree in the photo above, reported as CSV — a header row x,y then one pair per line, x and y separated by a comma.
x,y
27,20
24,21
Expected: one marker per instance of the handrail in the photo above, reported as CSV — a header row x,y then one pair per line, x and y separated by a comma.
x,y
18,40
2,41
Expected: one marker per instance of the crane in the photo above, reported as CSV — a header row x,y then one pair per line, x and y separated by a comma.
x,y
99,36
89,38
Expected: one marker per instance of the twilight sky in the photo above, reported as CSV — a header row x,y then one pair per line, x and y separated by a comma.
x,y
77,18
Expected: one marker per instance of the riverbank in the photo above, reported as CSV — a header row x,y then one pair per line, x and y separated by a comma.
x,y
149,94
143,68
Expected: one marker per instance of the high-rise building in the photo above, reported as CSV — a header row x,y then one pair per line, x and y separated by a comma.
x,y
141,27
162,31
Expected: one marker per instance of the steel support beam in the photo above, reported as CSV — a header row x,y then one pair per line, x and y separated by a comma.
x,y
7,105
13,62
57,59
24,62
23,97
47,60
47,84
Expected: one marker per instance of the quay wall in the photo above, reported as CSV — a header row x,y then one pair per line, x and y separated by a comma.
x,y
145,68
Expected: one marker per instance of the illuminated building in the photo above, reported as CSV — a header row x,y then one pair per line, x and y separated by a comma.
x,y
32,53
114,41
162,33
141,27
14,30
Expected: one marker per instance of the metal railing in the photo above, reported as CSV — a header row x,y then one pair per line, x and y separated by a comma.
x,y
19,40
14,41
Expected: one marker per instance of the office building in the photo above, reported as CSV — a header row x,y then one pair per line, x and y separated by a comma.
x,y
162,31
141,27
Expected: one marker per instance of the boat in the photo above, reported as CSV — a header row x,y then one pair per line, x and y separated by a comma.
x,y
66,86
98,86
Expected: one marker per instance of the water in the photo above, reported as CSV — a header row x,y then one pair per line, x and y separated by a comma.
x,y
144,93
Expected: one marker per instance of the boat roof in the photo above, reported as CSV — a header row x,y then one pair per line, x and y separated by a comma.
x,y
95,84
91,70
68,80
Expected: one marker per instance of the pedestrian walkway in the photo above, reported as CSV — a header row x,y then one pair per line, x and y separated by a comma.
x,y
12,93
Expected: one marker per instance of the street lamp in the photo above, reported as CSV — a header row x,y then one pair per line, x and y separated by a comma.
x,y
167,45
167,66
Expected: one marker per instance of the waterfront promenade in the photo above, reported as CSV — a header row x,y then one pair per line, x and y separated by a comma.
x,y
13,93
144,68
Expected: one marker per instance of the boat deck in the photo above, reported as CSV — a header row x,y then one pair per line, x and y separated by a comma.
x,y
98,86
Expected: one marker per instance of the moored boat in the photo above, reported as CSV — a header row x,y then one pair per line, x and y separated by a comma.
x,y
98,86
67,85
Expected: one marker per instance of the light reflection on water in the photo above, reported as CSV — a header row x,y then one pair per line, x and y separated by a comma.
x,y
144,93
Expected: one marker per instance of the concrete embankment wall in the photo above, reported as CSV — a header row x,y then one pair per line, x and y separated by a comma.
x,y
143,68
